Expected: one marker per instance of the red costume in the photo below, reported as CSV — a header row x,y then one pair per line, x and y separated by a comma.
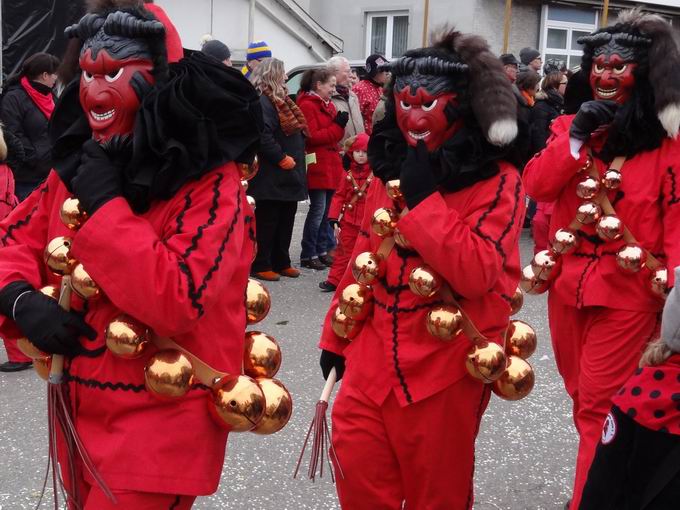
x,y
347,207
401,381
600,317
369,94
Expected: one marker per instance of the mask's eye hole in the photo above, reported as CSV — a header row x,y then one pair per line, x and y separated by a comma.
x,y
87,76
429,105
620,69
404,105
598,69
111,77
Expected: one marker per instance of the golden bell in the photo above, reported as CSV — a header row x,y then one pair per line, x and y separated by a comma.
x,y
424,282
126,337
42,367
278,407
659,282
516,301
72,214
356,301
360,194
244,185
83,284
248,171
168,374
565,241
609,228
349,207
251,201
588,212
261,355
401,241
530,284
444,322
384,221
631,257
520,339
237,403
348,178
546,265
57,256
343,326
612,179
50,291
29,349
516,382
486,361
393,189
367,268
258,302
588,188
355,189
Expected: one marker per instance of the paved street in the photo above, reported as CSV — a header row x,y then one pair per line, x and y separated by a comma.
x,y
525,450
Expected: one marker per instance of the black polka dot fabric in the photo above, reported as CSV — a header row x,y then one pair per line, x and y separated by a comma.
x,y
652,396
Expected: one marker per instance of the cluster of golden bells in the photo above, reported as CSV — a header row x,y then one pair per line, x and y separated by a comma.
x,y
511,376
630,258
253,401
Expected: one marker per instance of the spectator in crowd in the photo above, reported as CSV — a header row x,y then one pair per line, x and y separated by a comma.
x,y
511,66
257,51
353,78
344,99
26,109
369,89
280,182
531,59
219,50
525,91
326,128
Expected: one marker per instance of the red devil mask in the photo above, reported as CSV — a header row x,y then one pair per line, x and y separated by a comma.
x,y
612,78
108,94
422,116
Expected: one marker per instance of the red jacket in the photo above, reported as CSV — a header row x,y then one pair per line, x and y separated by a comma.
x,y
648,203
324,136
470,237
369,94
181,268
345,193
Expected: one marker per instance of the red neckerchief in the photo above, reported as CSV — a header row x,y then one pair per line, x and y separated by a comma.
x,y
44,102
652,396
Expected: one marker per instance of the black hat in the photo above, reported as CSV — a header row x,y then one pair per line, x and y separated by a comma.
x,y
553,66
216,49
527,55
375,63
509,59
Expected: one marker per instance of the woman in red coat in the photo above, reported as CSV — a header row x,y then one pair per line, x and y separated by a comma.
x,y
326,129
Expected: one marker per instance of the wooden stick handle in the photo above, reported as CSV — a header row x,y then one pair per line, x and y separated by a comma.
x,y
328,387
57,365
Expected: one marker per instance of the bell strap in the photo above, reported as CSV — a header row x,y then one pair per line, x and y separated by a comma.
x,y
203,372
363,189
56,374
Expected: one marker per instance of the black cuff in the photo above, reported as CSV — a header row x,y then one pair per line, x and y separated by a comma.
x,y
10,293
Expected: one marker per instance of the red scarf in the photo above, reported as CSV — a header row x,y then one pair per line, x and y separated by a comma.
x,y
44,102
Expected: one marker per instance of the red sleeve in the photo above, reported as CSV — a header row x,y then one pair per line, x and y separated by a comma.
x,y
317,135
671,217
168,281
551,169
469,251
339,198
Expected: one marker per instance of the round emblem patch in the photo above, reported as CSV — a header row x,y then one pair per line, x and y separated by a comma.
x,y
609,429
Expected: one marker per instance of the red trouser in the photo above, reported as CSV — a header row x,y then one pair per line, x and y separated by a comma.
x,y
422,453
13,352
596,350
127,500
539,230
348,236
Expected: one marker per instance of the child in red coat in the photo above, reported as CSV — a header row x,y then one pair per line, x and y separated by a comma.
x,y
347,206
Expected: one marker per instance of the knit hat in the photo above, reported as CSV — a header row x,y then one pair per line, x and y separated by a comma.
x,y
258,50
216,49
358,143
509,59
553,66
374,64
670,322
527,55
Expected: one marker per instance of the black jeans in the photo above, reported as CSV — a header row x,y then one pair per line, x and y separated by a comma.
x,y
274,220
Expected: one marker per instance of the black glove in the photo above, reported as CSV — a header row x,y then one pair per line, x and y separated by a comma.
x,y
591,116
98,179
341,119
329,360
46,324
416,178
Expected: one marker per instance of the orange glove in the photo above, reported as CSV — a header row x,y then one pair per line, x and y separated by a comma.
x,y
287,163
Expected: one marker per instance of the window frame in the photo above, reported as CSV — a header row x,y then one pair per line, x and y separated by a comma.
x,y
389,31
570,27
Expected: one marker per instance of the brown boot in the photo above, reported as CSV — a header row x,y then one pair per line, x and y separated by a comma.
x,y
268,276
289,272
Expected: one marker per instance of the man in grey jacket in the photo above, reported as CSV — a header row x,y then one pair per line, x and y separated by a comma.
x,y
344,99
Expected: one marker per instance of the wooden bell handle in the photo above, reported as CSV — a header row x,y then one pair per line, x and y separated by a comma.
x,y
56,374
328,387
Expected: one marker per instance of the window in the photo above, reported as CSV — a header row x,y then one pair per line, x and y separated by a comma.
x,y
387,33
562,26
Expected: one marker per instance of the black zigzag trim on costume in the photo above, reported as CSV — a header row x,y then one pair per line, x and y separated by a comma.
x,y
674,199
365,234
579,288
395,338
220,251
180,216
392,289
404,253
592,239
591,256
107,385
251,231
508,227
505,297
175,504
477,229
212,216
94,353
411,309
494,203
22,222
480,408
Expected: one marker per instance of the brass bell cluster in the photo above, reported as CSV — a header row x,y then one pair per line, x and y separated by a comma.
x,y
247,172
630,258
